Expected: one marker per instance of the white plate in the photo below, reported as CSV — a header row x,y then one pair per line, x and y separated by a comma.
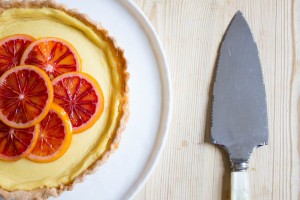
x,y
150,102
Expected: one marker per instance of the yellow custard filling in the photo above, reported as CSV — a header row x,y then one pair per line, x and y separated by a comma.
x,y
97,60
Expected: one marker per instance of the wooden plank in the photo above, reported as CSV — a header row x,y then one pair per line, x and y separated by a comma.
x,y
191,31
295,141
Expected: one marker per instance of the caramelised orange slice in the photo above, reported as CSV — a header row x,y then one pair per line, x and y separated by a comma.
x,y
55,136
81,97
55,56
26,94
12,49
16,143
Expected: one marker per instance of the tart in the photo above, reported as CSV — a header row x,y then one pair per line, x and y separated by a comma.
x,y
100,58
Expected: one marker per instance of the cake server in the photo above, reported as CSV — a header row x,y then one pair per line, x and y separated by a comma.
x,y
239,111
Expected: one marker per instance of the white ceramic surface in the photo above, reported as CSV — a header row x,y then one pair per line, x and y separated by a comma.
x,y
150,102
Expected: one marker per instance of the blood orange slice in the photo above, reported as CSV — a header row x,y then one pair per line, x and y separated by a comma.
x,y
26,94
55,56
55,136
11,50
16,143
81,97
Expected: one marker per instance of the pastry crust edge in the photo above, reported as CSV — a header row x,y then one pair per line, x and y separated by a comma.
x,y
44,193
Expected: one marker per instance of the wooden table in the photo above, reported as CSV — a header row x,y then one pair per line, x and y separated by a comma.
x,y
191,31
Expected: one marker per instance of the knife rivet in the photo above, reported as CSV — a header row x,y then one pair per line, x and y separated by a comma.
x,y
239,166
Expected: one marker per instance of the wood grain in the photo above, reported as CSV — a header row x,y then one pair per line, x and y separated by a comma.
x,y
191,31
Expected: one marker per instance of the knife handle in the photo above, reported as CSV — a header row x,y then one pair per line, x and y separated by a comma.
x,y
239,185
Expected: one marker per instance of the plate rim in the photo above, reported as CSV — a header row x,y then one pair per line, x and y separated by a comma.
x,y
167,103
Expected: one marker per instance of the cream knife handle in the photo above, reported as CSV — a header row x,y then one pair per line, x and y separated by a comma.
x,y
240,185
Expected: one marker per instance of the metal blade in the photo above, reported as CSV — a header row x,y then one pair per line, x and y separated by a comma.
x,y
239,111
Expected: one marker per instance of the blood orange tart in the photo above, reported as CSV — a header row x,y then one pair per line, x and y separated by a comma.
x,y
89,75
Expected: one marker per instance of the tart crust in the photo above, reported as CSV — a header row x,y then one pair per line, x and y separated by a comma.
x,y
112,145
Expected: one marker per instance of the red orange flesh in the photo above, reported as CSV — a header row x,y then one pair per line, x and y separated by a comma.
x,y
26,94
54,138
55,56
81,97
12,49
16,143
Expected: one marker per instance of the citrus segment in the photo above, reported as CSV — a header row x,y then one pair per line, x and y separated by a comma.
x,y
55,56
16,143
55,136
11,50
26,94
81,97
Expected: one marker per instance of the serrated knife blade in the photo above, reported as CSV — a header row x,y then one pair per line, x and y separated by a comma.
x,y
239,110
